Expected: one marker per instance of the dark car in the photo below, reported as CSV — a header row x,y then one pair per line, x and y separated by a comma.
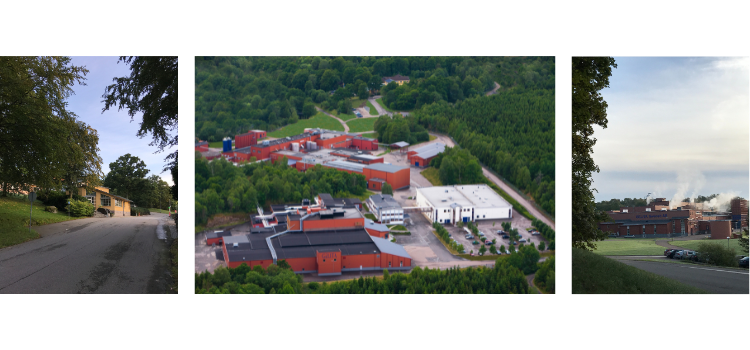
x,y
488,242
666,252
743,262
671,254
506,236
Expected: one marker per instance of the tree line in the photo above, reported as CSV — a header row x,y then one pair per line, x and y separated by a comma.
x,y
396,129
221,187
235,94
512,133
503,278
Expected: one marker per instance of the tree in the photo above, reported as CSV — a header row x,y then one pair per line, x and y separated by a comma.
x,y
150,89
590,75
482,250
362,91
541,246
35,125
127,176
387,189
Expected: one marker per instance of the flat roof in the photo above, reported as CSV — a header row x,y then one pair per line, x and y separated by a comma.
x,y
428,147
343,213
477,196
400,144
388,247
375,226
384,201
483,196
344,165
364,157
389,168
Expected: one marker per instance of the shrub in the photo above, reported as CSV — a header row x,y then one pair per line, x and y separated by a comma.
x,y
81,208
502,249
541,245
717,254
551,245
141,211
58,199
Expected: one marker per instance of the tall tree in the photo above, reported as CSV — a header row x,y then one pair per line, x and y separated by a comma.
x,y
34,120
83,165
150,89
590,75
127,176
387,189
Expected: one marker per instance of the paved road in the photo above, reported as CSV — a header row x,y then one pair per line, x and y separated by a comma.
x,y
711,279
93,255
346,127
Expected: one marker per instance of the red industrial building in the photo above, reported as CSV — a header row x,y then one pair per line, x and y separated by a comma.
x,y
658,220
248,139
327,238
421,157
201,146
739,212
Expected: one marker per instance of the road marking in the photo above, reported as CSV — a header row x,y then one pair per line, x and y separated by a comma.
x,y
701,268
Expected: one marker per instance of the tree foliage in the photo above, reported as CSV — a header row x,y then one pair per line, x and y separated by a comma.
x,y
545,276
590,75
387,189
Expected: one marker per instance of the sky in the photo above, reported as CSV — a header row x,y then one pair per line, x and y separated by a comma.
x,y
117,134
678,127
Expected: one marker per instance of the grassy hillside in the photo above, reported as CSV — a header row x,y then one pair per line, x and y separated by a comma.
x,y
14,220
319,120
693,245
595,274
432,175
373,110
629,246
361,124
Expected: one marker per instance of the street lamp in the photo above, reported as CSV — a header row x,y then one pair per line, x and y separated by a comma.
x,y
728,241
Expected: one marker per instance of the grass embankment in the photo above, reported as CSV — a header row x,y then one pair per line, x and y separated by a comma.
x,y
361,124
628,246
220,221
595,274
398,227
373,110
14,220
381,103
693,245
371,217
319,120
216,144
517,207
154,210
432,175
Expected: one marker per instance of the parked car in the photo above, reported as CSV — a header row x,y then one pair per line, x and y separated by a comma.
x,y
475,242
498,252
522,240
672,253
450,235
689,254
743,262
481,233
629,236
514,243
488,242
667,251
469,237
506,236
500,232
613,235
535,233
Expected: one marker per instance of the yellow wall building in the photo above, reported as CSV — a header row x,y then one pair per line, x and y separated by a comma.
x,y
101,198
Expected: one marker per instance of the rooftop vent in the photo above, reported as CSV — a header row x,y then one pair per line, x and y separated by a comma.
x,y
236,244
648,209
624,210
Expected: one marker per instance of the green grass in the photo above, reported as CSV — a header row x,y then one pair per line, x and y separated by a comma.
x,y
201,228
407,233
347,117
380,102
398,227
158,210
628,246
216,144
693,245
363,197
319,120
432,175
371,217
517,207
372,135
373,110
387,150
361,124
595,274
14,220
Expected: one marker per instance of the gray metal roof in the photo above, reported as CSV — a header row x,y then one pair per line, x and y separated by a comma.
x,y
375,226
389,168
340,164
388,247
236,239
400,144
428,147
384,201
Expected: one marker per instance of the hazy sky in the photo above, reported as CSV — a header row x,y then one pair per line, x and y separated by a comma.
x,y
676,126
117,134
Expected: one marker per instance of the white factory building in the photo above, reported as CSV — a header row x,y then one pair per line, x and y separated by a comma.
x,y
464,203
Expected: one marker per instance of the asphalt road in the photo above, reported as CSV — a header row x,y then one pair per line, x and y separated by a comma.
x,y
93,255
711,279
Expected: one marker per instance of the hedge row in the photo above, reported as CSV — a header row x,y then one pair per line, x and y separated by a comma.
x,y
141,211
443,235
547,232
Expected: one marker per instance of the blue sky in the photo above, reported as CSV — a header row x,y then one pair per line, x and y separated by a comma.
x,y
117,134
677,127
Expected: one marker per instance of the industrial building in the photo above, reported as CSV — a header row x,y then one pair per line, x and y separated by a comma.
x,y
201,146
248,139
421,157
464,203
739,213
327,237
386,209
657,219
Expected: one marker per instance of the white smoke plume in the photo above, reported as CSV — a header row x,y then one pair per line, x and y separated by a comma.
x,y
720,203
687,180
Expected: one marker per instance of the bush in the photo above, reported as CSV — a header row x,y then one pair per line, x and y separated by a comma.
x,y
717,254
58,199
81,208
141,211
551,245
541,246
545,230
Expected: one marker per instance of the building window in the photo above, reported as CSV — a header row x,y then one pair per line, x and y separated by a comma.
x,y
654,229
644,229
324,260
389,264
628,230
92,198
105,201
334,259
118,203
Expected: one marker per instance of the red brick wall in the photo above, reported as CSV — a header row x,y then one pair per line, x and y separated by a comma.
x,y
332,263
314,225
365,260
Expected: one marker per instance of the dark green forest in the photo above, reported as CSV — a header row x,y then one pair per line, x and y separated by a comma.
x,y
221,187
512,132
503,278
235,94
392,130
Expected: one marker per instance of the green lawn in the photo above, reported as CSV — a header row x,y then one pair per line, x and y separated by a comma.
x,y
596,274
373,110
380,102
628,246
432,175
347,117
398,227
693,245
319,120
361,124
14,220
371,217
372,135
154,210
216,144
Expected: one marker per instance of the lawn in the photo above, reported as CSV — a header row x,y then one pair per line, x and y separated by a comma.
x,y
347,117
693,245
373,110
596,274
398,227
216,144
628,246
14,219
154,210
361,124
372,135
371,217
432,175
319,120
